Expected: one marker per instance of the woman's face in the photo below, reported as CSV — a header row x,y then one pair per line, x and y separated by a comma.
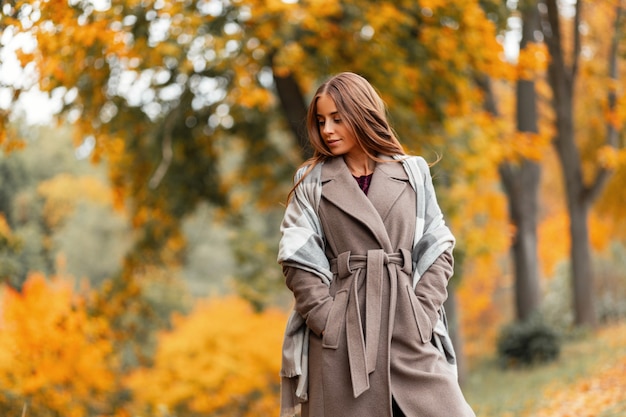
x,y
333,129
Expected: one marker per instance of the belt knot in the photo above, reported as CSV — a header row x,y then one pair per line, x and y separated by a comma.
x,y
363,347
345,264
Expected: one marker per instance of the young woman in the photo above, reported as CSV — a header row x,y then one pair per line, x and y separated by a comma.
x,y
367,255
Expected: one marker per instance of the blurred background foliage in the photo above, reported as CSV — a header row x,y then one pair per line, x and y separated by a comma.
x,y
141,198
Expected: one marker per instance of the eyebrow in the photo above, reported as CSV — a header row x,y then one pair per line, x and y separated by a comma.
x,y
332,114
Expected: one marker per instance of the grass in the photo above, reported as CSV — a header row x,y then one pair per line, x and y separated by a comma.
x,y
496,392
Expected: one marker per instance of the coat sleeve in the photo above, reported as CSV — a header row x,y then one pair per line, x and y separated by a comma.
x,y
431,290
312,297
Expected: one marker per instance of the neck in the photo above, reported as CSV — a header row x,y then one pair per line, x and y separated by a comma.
x,y
359,166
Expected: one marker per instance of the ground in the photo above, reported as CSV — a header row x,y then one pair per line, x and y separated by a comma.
x,y
589,379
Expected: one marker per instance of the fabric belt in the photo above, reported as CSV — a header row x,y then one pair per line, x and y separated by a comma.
x,y
363,348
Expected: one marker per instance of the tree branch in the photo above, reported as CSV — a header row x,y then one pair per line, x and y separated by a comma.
x,y
489,104
551,28
293,106
576,39
166,148
612,135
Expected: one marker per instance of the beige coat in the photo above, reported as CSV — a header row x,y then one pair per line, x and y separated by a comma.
x,y
370,331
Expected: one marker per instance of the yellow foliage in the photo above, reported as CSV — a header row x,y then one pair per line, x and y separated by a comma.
x,y
601,231
609,157
386,12
618,116
612,203
527,145
532,61
115,149
554,239
433,4
252,96
325,7
483,231
270,6
221,359
64,191
478,217
53,355
287,58
5,229
9,141
482,312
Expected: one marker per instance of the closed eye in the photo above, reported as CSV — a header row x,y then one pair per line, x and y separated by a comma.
x,y
322,122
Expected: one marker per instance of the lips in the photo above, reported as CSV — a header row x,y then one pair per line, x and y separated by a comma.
x,y
331,142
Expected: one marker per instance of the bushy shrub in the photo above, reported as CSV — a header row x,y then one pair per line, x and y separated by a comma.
x,y
528,342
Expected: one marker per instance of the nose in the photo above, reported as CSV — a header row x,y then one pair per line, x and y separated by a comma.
x,y
327,128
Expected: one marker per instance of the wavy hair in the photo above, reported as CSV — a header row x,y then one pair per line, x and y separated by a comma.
x,y
365,114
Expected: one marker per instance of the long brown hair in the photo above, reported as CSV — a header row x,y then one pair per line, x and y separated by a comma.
x,y
364,112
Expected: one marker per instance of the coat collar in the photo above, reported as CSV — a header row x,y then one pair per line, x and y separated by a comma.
x,y
388,183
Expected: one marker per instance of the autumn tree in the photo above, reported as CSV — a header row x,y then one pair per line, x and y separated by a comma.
x,y
225,367
55,358
564,39
520,169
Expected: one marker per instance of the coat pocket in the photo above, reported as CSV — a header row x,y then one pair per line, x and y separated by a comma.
x,y
424,326
335,321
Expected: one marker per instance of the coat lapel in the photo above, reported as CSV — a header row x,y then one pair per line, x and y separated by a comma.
x,y
340,188
390,180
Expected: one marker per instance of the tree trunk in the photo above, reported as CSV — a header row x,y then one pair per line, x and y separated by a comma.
x,y
577,206
562,80
524,188
521,185
582,274
294,109
578,209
